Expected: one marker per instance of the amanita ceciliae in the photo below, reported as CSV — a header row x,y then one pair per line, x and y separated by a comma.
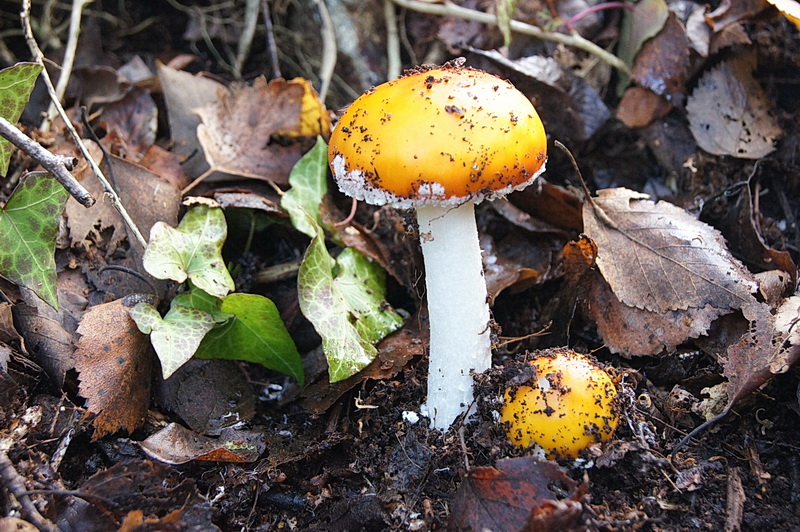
x,y
441,140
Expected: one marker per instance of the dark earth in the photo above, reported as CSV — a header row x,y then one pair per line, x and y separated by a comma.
x,y
345,457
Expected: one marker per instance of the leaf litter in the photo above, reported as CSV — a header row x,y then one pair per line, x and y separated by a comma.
x,y
687,321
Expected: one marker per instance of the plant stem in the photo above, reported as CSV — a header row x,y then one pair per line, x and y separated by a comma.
x,y
573,39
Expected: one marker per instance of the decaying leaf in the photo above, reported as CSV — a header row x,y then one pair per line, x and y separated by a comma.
x,y
640,106
729,112
237,132
176,445
114,360
764,350
658,257
662,65
518,491
732,11
631,331
208,396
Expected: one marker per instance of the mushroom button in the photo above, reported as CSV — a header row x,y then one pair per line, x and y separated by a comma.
x,y
465,115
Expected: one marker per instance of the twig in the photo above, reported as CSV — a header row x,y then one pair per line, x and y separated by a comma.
x,y
246,40
573,39
69,54
58,165
393,63
270,36
329,51
25,16
15,485
596,9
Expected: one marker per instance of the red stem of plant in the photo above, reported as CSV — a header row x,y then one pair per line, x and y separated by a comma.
x,y
594,9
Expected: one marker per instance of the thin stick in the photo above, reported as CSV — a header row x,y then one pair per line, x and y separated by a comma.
x,y
69,54
393,63
270,36
329,51
573,39
58,165
25,16
15,485
246,40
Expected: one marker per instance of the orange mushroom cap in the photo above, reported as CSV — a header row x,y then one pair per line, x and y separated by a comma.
x,y
442,135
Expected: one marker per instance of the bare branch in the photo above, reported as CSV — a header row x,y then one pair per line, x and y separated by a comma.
x,y
58,165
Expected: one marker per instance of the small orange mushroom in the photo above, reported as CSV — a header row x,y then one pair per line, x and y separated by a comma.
x,y
569,404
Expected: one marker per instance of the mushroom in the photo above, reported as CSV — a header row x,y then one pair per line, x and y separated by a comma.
x,y
441,140
568,404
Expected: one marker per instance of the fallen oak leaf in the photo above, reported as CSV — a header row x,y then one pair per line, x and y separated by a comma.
x,y
680,262
114,361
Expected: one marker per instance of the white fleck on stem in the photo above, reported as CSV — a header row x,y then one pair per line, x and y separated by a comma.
x,y
457,308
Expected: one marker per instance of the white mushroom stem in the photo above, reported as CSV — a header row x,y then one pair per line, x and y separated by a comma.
x,y
458,310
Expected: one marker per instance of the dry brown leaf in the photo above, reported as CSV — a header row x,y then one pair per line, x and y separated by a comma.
x,y
658,257
183,93
114,360
521,494
640,106
47,333
765,350
208,395
133,121
787,320
175,444
662,65
147,198
632,332
238,132
731,11
729,112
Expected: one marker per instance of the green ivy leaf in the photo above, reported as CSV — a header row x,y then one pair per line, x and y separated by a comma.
x,y
309,185
255,333
344,300
193,250
28,228
16,84
363,287
176,336
196,298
